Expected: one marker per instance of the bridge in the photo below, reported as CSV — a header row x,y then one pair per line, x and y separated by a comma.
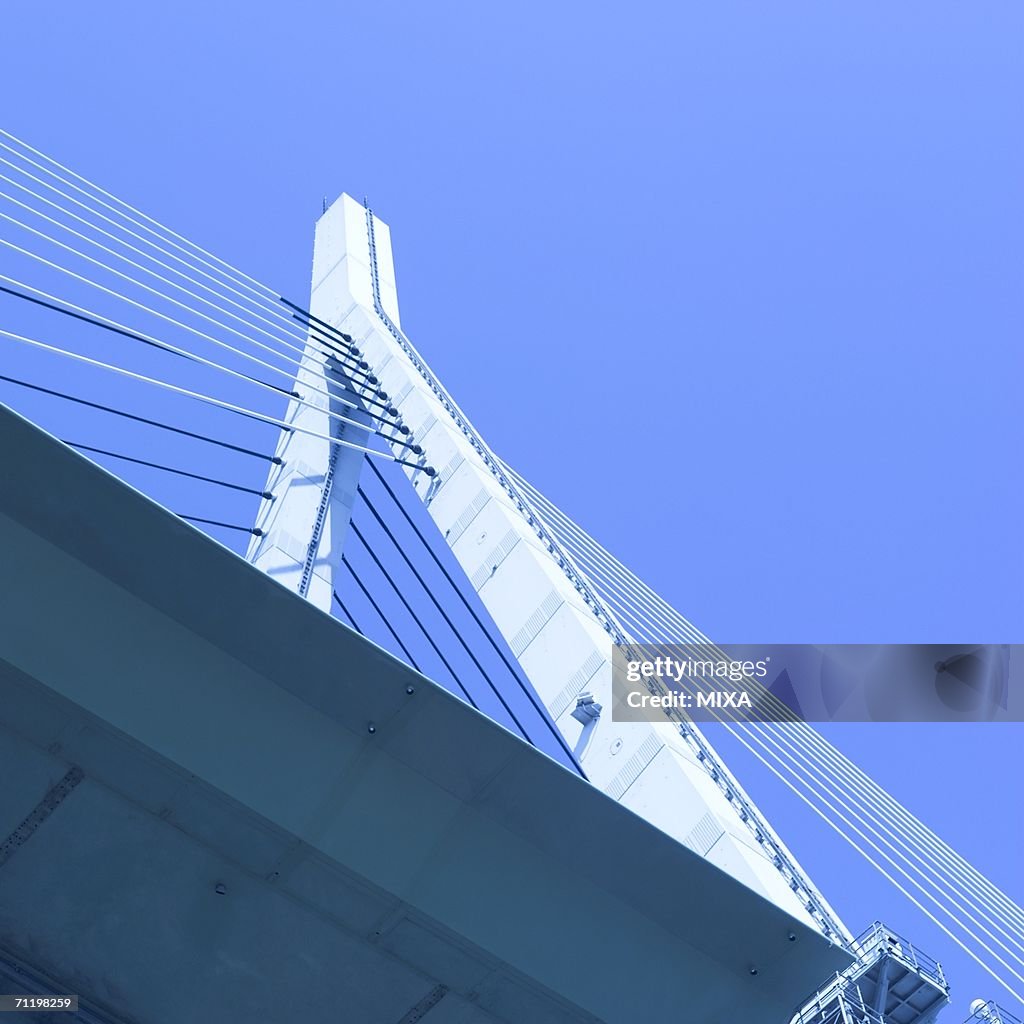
x,y
362,765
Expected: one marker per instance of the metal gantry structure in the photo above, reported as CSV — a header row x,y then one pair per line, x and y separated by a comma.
x,y
890,982
383,505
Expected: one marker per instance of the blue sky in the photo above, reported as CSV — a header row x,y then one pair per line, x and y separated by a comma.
x,y
737,285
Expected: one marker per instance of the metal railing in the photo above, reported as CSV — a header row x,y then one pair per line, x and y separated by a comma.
x,y
878,940
991,1013
839,1001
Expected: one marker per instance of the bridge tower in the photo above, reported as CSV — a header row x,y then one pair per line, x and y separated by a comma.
x,y
552,617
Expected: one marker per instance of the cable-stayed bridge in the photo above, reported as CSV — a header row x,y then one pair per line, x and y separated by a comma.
x,y
315,433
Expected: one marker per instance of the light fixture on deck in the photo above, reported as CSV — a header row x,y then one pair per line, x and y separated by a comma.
x,y
587,709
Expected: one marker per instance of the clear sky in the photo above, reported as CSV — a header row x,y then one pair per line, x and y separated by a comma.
x,y
738,285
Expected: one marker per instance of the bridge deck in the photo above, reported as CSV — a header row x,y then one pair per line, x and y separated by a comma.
x,y
201,824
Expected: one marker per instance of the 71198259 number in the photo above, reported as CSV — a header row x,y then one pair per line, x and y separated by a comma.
x,y
29,1003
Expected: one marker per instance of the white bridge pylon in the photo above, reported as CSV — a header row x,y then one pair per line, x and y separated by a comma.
x,y
551,616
